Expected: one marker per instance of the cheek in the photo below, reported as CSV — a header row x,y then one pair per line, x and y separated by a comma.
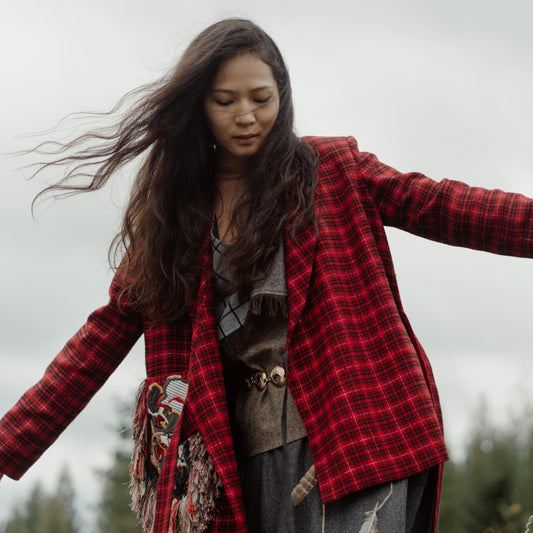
x,y
219,130
218,121
272,116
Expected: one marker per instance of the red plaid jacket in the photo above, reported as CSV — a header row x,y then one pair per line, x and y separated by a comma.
x,y
358,375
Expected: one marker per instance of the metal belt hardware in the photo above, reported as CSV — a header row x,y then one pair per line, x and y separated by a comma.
x,y
262,379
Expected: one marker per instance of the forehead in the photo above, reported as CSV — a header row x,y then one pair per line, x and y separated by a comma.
x,y
245,71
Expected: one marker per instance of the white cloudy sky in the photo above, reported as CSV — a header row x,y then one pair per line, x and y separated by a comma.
x,y
439,87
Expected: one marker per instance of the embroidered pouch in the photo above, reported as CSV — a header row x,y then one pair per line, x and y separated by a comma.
x,y
197,485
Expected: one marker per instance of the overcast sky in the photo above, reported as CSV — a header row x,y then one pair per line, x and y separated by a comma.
x,y
443,88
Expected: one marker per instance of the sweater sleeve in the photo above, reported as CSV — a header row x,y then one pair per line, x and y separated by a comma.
x,y
448,211
69,382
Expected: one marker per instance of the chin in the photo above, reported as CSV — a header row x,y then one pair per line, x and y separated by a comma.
x,y
244,153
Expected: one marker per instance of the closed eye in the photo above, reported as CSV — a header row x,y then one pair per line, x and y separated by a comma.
x,y
224,104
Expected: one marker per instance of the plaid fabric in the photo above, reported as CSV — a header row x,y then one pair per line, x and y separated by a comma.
x,y
373,415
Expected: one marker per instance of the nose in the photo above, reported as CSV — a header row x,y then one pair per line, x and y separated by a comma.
x,y
245,116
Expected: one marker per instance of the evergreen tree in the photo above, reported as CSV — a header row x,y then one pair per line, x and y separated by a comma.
x,y
17,522
490,480
34,506
452,509
42,513
65,492
491,491
25,517
114,511
54,518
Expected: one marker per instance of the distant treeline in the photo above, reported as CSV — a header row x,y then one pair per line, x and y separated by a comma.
x,y
489,491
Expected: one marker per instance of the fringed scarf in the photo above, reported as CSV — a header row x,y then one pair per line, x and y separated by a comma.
x,y
197,486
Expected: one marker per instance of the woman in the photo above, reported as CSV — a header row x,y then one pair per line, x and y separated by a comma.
x,y
256,263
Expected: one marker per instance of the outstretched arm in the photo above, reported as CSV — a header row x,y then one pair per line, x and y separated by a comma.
x,y
449,211
70,381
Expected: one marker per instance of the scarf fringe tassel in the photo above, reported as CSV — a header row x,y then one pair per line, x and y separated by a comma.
x,y
142,486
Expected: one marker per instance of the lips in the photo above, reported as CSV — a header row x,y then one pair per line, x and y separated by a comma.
x,y
248,138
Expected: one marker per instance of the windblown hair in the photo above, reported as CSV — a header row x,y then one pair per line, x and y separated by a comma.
x,y
171,205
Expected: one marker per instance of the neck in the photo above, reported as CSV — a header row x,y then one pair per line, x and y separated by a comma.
x,y
229,183
229,166
227,173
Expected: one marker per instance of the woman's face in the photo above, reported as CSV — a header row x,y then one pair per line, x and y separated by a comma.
x,y
241,107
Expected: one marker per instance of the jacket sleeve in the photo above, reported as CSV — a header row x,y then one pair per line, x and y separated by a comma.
x,y
448,211
69,382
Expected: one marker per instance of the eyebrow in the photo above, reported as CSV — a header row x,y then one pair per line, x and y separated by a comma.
x,y
229,91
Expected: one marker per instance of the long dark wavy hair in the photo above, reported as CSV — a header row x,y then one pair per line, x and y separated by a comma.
x,y
171,204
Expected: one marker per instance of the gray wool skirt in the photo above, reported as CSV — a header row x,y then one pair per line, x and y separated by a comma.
x,y
408,508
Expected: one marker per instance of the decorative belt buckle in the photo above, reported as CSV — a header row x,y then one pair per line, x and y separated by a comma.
x,y
277,376
261,380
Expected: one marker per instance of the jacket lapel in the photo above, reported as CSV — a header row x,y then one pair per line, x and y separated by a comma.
x,y
207,409
299,258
